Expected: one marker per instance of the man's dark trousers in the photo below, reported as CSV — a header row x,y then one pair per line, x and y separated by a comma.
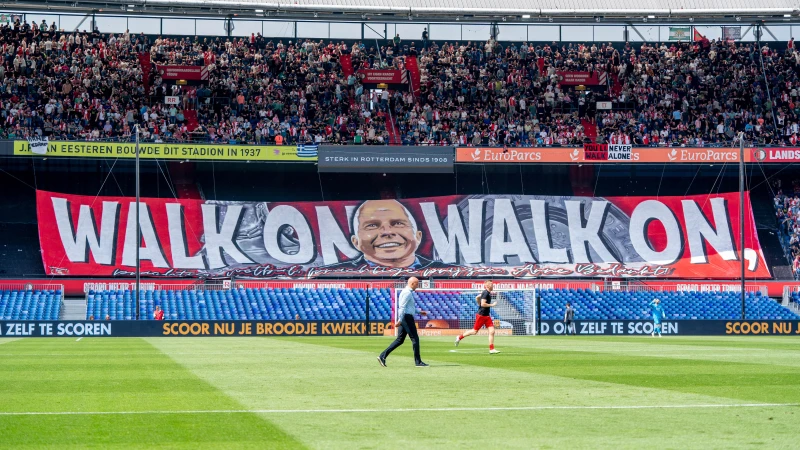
x,y
407,327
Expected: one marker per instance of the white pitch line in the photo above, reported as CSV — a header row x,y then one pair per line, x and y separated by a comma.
x,y
76,340
396,410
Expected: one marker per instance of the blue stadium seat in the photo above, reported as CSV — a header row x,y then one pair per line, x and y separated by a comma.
x,y
611,305
452,306
30,304
244,304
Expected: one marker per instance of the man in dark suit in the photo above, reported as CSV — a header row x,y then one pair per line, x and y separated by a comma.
x,y
387,236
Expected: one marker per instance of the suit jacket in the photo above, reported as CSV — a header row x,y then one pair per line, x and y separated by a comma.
x,y
355,263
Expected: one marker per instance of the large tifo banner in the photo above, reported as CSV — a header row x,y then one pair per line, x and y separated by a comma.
x,y
441,237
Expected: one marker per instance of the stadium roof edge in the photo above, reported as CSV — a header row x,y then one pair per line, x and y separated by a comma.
x,y
576,9
467,10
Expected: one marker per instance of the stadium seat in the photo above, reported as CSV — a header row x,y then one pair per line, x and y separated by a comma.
x,y
30,304
611,305
245,304
448,305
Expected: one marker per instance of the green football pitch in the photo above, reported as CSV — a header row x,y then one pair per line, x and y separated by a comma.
x,y
540,392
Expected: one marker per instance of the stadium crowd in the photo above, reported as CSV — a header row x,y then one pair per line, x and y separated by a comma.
x,y
88,85
787,212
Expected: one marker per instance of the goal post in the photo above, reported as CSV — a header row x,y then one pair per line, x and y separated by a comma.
x,y
451,311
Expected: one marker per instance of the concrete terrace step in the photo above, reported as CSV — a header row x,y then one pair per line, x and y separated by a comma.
x,y
74,309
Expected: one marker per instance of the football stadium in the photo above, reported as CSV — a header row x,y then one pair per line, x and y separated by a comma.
x,y
339,224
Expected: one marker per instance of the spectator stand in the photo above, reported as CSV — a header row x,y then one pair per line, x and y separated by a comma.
x,y
87,86
31,301
177,300
787,216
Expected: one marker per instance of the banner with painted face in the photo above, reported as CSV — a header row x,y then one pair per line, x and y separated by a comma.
x,y
478,236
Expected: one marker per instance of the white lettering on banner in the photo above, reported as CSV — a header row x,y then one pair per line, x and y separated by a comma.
x,y
593,328
541,232
221,239
83,329
619,152
449,247
319,285
152,250
38,145
514,286
287,219
644,214
609,327
784,154
76,240
177,239
387,159
701,231
583,236
647,328
708,288
117,286
711,155
331,237
19,329
512,155
505,223
478,236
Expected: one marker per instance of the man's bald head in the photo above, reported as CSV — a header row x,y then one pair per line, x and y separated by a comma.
x,y
386,233
381,205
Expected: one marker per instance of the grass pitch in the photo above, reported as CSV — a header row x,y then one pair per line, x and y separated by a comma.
x,y
541,392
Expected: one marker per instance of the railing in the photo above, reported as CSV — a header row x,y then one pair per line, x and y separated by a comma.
x,y
689,286
522,284
34,287
131,286
312,284
786,299
31,287
223,286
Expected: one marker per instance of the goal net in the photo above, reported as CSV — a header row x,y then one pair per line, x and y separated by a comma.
x,y
451,311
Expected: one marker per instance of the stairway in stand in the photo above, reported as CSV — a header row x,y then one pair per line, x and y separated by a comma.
x,y
616,86
393,130
190,116
74,309
182,174
346,62
347,65
589,129
414,71
385,183
582,179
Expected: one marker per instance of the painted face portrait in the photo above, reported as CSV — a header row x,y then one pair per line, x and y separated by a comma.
x,y
386,234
